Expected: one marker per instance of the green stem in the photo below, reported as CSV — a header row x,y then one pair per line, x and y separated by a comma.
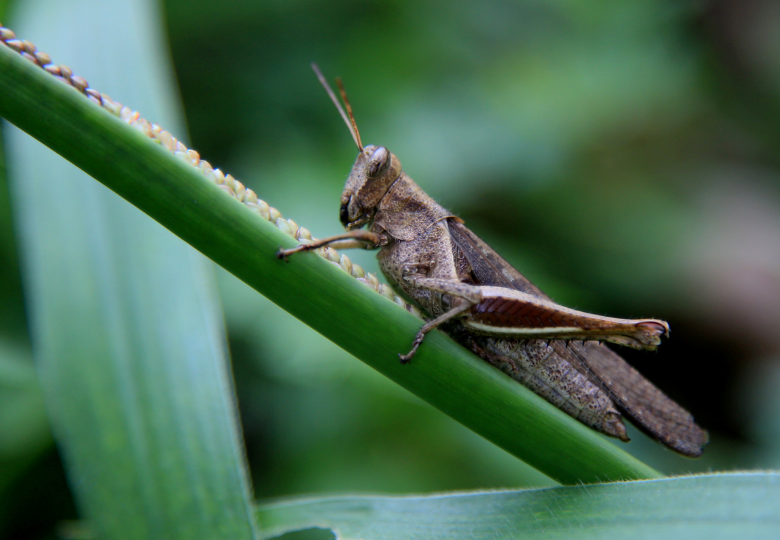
x,y
362,322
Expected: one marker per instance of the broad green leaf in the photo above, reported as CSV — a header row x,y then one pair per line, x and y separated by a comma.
x,y
727,506
126,324
314,290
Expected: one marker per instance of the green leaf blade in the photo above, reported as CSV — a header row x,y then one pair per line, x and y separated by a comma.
x,y
126,321
737,505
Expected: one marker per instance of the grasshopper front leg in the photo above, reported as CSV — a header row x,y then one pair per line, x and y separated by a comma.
x,y
349,240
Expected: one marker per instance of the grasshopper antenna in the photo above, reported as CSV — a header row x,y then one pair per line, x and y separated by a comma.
x,y
350,121
355,131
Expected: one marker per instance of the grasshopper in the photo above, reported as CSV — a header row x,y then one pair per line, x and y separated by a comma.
x,y
484,303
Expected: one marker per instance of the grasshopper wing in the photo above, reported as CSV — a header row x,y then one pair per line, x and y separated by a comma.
x,y
650,409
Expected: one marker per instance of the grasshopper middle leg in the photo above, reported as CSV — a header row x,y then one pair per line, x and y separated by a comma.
x,y
464,296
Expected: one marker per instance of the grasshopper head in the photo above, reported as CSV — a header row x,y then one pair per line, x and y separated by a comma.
x,y
374,171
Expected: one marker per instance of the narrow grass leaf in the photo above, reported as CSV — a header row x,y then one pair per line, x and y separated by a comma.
x,y
709,507
127,329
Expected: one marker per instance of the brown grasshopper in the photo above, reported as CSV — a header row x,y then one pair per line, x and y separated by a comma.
x,y
430,257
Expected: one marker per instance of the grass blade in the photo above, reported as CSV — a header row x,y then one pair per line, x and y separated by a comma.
x,y
711,507
126,322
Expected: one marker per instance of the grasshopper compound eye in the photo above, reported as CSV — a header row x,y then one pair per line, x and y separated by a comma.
x,y
378,163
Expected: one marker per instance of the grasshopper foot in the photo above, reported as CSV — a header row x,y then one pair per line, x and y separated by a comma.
x,y
282,254
406,358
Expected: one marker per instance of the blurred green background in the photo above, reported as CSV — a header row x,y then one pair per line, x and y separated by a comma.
x,y
623,155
